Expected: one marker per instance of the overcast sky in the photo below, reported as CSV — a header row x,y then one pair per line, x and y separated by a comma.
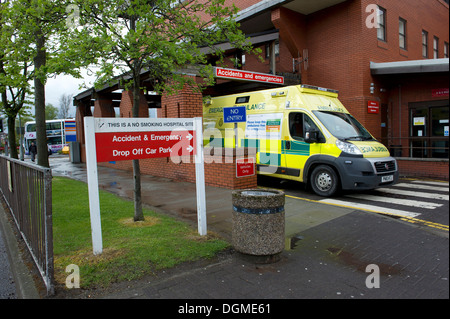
x,y
65,84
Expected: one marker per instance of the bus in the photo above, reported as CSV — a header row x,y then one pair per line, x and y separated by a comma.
x,y
59,134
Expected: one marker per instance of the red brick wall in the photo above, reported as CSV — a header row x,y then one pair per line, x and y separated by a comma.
x,y
292,26
126,105
434,169
240,4
103,107
430,15
341,46
182,104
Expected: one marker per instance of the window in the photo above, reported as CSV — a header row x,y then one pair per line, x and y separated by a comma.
x,y
343,126
276,49
425,44
299,124
53,126
446,50
54,140
402,33
381,31
429,129
242,99
239,60
436,48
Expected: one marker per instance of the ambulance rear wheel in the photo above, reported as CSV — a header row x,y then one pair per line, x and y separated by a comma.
x,y
324,181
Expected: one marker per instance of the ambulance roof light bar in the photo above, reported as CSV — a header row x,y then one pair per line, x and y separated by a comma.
x,y
307,86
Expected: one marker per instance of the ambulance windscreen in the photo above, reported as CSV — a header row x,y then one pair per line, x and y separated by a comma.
x,y
343,126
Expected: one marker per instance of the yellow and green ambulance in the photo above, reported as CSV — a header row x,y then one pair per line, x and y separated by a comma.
x,y
302,133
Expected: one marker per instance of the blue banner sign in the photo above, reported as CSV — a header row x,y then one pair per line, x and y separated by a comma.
x,y
234,114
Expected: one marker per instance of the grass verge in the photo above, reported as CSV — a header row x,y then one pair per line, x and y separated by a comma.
x,y
131,249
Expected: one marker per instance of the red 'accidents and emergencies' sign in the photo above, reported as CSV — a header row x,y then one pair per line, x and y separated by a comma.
x,y
439,92
245,167
240,75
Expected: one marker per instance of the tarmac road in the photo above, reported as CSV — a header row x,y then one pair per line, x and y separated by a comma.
x,y
7,285
418,201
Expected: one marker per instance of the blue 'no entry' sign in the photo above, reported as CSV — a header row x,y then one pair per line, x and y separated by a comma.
x,y
234,114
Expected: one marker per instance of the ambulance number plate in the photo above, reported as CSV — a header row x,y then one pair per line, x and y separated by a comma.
x,y
387,178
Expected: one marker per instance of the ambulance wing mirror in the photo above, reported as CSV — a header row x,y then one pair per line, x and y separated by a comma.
x,y
312,136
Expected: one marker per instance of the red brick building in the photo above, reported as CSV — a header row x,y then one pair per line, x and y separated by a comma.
x,y
388,59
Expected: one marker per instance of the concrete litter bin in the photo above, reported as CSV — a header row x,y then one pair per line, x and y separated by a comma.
x,y
258,222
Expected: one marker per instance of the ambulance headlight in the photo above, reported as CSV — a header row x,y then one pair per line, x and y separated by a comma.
x,y
348,147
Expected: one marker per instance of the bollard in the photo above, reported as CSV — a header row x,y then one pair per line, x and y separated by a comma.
x,y
258,222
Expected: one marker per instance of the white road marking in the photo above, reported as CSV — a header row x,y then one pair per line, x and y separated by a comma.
x,y
443,184
412,193
424,187
373,208
399,201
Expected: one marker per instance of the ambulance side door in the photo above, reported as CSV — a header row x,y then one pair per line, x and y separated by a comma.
x,y
295,151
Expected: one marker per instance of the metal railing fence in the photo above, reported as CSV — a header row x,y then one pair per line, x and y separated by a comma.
x,y
27,190
418,147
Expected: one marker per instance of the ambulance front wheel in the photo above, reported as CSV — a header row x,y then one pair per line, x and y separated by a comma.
x,y
324,181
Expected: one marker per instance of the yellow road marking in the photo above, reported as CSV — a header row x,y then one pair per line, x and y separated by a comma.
x,y
407,219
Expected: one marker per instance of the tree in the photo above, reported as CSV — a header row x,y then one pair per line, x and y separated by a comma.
x,y
159,37
15,74
34,21
51,112
65,101
42,25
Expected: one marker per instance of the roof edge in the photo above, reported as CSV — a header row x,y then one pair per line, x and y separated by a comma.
x,y
411,66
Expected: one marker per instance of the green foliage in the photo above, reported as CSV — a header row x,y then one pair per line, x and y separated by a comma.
x,y
34,45
160,37
51,112
15,67
47,18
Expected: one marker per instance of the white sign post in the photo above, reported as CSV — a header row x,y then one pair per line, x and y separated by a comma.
x,y
92,179
116,139
200,177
